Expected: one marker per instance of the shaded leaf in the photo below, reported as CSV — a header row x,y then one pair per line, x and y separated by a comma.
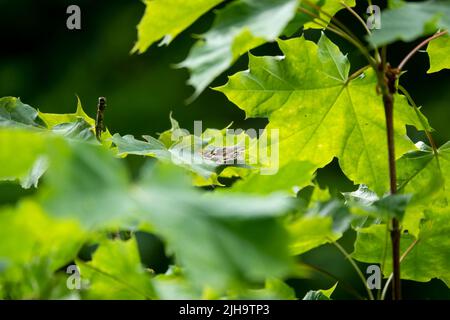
x,y
411,20
115,272
87,183
240,26
320,294
28,233
233,240
167,18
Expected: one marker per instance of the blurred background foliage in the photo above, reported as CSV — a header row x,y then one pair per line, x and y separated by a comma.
x,y
47,65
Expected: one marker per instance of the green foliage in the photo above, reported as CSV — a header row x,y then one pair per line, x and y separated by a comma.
x,y
232,239
340,117
410,21
159,22
238,28
188,151
429,255
439,53
320,294
112,263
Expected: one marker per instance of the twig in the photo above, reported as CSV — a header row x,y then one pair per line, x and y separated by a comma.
x,y
389,280
99,121
355,266
419,46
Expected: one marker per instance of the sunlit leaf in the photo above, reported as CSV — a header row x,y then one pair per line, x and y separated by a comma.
x,y
167,18
115,272
320,113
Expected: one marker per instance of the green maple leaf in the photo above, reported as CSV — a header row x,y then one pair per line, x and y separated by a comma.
x,y
167,18
321,113
239,27
233,238
34,133
425,174
324,223
429,257
439,52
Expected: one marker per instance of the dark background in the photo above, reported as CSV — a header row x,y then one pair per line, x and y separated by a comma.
x,y
46,65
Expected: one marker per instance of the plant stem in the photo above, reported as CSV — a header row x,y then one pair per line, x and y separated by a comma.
x,y
99,120
355,266
357,73
343,34
357,16
389,280
419,46
333,20
383,261
387,81
388,101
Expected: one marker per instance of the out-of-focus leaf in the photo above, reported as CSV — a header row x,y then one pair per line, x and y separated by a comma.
x,y
167,18
274,289
28,233
22,154
323,222
87,183
311,232
242,25
40,166
173,286
411,21
115,272
233,239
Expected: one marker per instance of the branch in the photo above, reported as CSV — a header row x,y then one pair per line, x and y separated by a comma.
x,y
420,46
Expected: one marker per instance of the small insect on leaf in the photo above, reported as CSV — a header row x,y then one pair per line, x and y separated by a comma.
x,y
224,155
